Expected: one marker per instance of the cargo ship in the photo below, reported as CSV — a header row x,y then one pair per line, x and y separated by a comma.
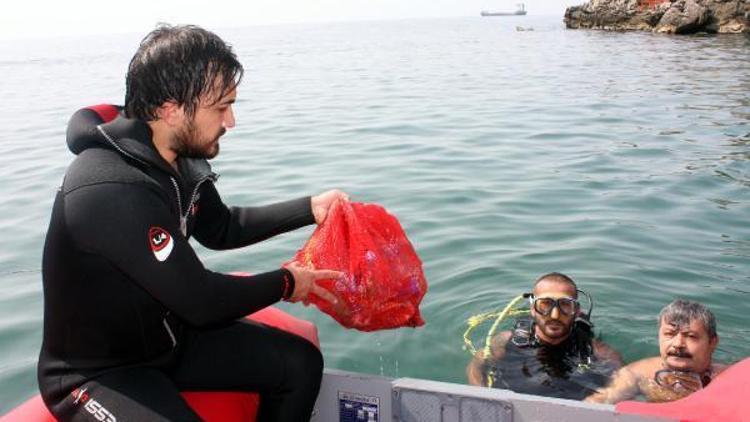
x,y
520,11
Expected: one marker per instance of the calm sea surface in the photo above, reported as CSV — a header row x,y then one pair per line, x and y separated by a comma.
x,y
621,159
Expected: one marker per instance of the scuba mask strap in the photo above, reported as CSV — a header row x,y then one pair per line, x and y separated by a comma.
x,y
587,315
530,297
584,330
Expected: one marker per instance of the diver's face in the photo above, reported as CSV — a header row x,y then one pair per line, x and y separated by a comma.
x,y
686,348
198,137
555,327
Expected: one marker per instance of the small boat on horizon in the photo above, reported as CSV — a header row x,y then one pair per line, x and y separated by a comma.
x,y
520,11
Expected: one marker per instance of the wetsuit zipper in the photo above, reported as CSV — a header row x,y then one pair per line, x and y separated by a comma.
x,y
183,228
117,147
183,219
183,216
193,197
169,330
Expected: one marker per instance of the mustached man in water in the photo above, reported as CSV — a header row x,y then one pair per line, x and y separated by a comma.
x,y
553,353
687,340
132,317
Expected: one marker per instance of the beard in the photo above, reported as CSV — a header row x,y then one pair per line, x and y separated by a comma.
x,y
186,142
554,329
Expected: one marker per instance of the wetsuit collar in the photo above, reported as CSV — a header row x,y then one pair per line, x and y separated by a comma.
x,y
195,169
133,138
106,126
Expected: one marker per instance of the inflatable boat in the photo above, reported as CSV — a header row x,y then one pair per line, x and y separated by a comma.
x,y
355,397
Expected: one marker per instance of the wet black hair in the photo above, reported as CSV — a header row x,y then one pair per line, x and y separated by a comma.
x,y
558,278
180,64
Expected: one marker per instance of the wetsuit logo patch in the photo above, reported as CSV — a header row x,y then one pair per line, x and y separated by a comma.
x,y
92,406
161,243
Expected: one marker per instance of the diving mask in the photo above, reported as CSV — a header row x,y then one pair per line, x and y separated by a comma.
x,y
681,382
545,305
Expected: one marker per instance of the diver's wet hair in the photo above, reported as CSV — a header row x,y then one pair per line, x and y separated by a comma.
x,y
558,278
180,64
680,312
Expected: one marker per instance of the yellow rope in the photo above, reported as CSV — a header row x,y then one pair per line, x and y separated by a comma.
x,y
472,323
476,320
504,314
501,316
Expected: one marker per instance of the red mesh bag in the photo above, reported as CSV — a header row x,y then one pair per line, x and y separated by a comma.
x,y
383,280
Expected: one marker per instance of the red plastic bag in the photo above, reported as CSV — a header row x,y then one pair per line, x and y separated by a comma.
x,y
383,280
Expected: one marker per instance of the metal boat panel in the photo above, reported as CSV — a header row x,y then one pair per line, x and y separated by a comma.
x,y
355,397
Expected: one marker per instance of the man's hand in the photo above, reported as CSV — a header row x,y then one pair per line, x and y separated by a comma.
x,y
304,283
322,203
624,385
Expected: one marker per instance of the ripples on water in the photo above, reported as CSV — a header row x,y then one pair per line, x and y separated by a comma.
x,y
618,158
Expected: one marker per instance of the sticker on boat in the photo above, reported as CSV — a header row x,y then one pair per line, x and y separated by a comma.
x,y
355,407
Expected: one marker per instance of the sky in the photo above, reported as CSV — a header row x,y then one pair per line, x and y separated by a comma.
x,y
44,18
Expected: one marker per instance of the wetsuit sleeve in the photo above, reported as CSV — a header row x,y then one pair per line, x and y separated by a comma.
x,y
132,228
220,227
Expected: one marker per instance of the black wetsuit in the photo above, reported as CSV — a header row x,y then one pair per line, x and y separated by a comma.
x,y
131,315
568,370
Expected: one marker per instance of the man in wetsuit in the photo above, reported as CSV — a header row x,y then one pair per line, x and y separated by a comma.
x,y
553,353
132,317
687,340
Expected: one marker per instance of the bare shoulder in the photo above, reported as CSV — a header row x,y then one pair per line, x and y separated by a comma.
x,y
503,337
645,368
604,351
474,372
499,341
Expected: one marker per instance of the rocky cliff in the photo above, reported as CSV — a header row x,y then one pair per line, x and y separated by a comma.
x,y
666,16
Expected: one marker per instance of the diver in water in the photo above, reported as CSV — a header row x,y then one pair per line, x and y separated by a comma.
x,y
687,340
551,353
